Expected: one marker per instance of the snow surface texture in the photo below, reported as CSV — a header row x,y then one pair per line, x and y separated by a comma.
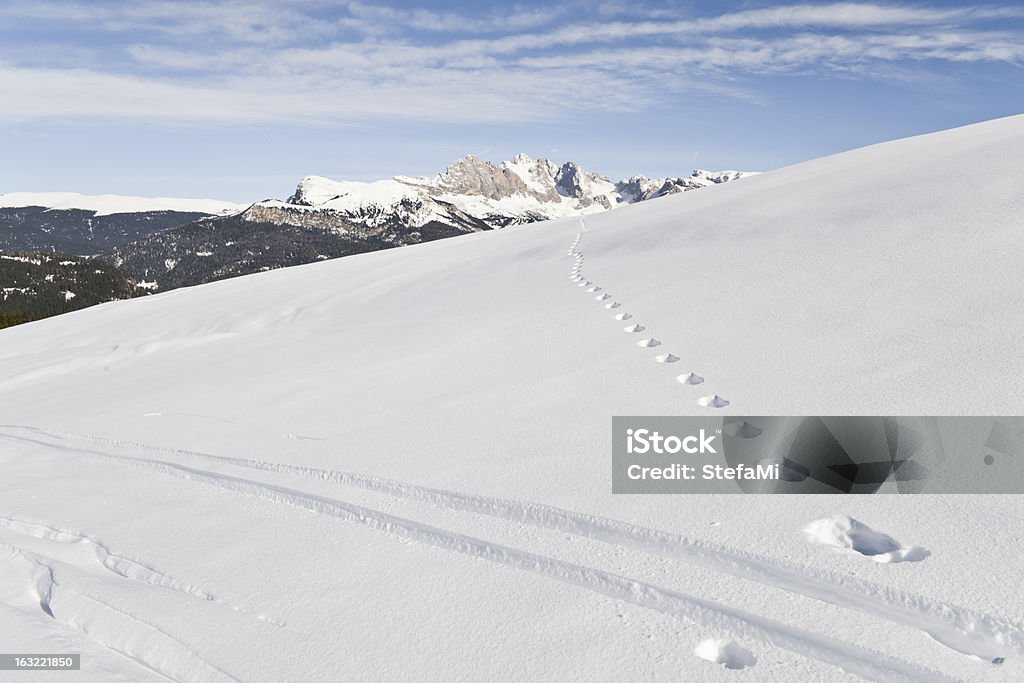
x,y
106,204
395,465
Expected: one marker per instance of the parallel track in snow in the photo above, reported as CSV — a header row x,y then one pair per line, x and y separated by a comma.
x,y
964,630
851,658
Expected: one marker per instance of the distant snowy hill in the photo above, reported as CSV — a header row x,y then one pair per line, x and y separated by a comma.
x,y
108,204
67,222
396,466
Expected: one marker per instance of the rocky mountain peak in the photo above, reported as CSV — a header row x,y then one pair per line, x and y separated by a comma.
x,y
473,176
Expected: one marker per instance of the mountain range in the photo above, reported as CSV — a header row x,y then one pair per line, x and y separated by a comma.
x,y
163,243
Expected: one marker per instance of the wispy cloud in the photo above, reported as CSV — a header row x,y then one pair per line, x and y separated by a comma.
x,y
327,62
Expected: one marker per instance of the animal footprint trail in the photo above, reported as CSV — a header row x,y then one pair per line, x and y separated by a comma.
x,y
576,275
713,401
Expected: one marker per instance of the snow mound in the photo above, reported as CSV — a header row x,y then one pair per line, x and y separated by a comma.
x,y
728,653
852,535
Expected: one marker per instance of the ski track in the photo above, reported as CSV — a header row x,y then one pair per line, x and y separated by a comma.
x,y
576,275
961,629
105,624
849,657
125,567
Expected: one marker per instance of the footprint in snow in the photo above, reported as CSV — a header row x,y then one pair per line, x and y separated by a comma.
x,y
636,327
623,316
648,343
612,305
727,653
594,289
689,378
603,297
667,358
852,535
714,401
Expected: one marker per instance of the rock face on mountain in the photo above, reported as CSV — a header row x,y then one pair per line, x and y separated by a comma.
x,y
473,176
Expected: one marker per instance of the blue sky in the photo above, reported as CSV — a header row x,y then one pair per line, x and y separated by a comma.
x,y
239,99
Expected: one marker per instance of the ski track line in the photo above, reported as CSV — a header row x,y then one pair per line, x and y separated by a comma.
x,y
576,275
125,567
961,629
849,657
74,609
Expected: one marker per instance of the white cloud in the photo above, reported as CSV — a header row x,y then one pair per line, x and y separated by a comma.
x,y
260,61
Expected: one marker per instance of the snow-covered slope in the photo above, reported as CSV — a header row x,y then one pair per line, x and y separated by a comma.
x,y
107,204
522,190
396,465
